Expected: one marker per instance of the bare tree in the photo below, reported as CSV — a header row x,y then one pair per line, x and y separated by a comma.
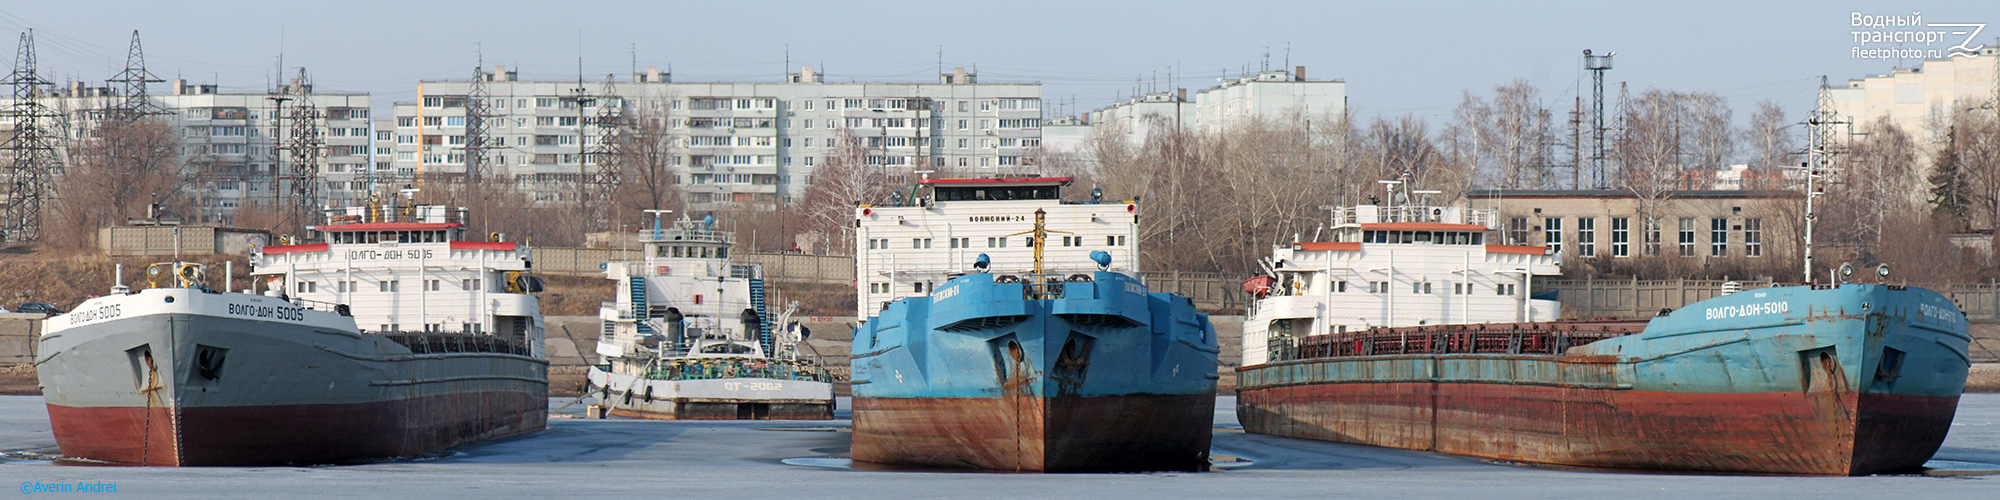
x,y
842,180
1710,136
1877,181
1772,146
1975,144
119,170
1511,136
1648,153
644,156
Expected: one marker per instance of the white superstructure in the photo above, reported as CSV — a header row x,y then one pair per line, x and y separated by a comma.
x,y
690,336
409,269
1394,265
683,298
908,249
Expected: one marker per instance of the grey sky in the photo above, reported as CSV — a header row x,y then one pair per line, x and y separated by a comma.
x,y
1407,57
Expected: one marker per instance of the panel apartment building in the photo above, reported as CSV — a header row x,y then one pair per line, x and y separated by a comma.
x,y
734,144
229,141
1276,95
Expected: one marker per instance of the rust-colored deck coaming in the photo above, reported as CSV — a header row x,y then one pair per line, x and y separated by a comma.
x,y
1035,434
1816,433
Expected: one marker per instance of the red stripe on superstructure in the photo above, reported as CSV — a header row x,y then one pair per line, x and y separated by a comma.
x,y
1422,226
1327,245
315,247
1520,249
389,226
483,245
1013,180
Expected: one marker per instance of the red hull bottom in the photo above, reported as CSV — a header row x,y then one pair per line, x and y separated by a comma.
x,y
708,410
1820,433
1027,434
293,434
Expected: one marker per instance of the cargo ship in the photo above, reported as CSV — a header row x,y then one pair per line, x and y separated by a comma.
x,y
390,337
691,337
1007,364
1840,379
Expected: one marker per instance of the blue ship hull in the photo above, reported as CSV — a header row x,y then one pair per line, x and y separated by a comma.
x,y
1855,379
1091,374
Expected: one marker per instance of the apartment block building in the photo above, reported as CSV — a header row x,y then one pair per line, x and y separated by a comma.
x,y
231,142
733,144
1270,95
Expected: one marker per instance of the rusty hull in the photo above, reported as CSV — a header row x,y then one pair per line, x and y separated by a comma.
x,y
1811,433
293,434
1132,433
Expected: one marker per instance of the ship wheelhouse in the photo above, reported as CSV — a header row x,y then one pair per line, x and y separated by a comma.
x,y
1395,265
410,269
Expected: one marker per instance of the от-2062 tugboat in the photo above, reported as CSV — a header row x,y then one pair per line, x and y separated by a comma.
x,y
691,337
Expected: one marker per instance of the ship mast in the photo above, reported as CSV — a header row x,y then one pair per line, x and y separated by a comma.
x,y
1041,236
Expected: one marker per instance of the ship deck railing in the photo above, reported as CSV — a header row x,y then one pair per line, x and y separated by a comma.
x,y
1043,286
1545,338
322,306
720,368
456,342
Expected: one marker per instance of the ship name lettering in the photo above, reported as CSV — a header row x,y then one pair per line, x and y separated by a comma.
x,y
101,312
944,294
997,218
1937,313
1135,288
273,312
1744,310
390,255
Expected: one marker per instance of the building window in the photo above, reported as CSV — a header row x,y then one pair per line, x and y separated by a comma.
x,y
1621,237
1503,289
1552,233
1652,236
1517,230
387,286
1378,287
1421,287
1586,237
1753,237
1687,236
1718,237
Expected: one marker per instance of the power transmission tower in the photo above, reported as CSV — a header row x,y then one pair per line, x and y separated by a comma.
x,y
477,140
307,148
581,98
1597,65
137,103
1821,147
29,177
613,123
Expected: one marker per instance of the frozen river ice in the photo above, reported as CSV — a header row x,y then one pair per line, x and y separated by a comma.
x,y
619,458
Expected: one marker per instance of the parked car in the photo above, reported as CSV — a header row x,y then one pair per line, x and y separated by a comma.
x,y
38,307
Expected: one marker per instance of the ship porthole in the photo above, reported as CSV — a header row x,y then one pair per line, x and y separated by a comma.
x,y
1014,349
170,300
